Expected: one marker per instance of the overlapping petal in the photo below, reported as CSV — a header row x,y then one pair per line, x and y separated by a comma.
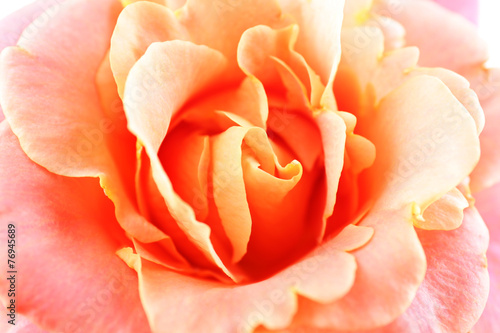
x,y
196,304
61,244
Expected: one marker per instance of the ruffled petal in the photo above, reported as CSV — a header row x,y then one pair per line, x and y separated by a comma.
x,y
66,229
195,304
488,203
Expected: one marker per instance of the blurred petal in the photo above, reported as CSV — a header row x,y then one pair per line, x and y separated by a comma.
x,y
73,236
467,8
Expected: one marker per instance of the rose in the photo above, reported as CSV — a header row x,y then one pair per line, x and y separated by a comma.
x,y
191,277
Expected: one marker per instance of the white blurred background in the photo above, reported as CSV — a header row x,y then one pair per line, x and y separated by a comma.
x,y
489,22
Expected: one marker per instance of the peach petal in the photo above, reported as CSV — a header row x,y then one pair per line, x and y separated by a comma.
x,y
486,83
487,203
275,59
381,293
182,157
229,189
138,26
460,88
23,325
299,133
444,214
69,140
333,136
455,288
320,50
198,254
196,302
151,98
248,101
425,18
172,4
220,25
74,234
430,123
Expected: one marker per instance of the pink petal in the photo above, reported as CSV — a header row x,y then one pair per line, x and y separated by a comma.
x,y
486,83
467,8
196,305
455,288
488,204
452,35
68,274
13,25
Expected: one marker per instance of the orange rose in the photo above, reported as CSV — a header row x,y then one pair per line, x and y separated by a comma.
x,y
261,166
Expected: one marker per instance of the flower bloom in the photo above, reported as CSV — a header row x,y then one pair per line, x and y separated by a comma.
x,y
240,166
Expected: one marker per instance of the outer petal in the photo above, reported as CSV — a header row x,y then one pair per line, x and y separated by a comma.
x,y
486,83
201,305
13,25
455,289
70,139
488,204
467,8
23,325
66,241
452,35
384,294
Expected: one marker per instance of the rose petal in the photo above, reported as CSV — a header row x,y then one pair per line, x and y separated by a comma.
x,y
455,288
138,26
487,203
72,235
444,214
422,19
432,129
220,24
149,109
467,8
70,140
13,25
319,38
22,325
172,4
194,304
383,294
486,83
333,135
